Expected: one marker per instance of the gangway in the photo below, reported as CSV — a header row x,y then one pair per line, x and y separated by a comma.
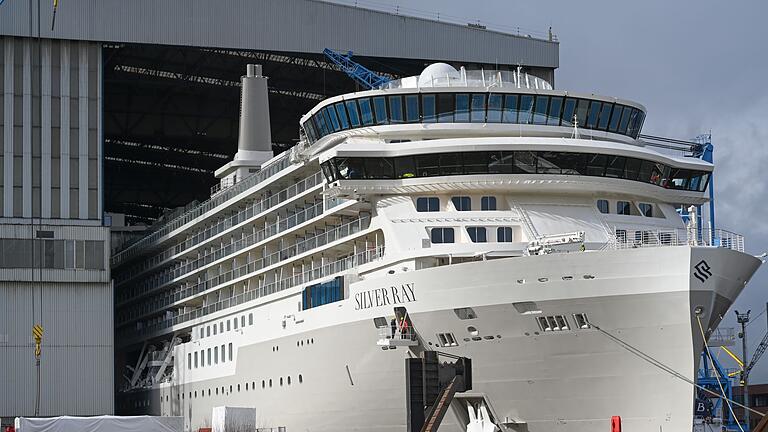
x,y
365,77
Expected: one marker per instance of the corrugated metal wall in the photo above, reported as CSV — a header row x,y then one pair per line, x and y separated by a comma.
x,y
77,351
276,25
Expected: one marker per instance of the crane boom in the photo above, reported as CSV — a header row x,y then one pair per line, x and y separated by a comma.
x,y
758,353
362,75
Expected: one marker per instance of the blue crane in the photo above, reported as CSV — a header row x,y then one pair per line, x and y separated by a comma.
x,y
362,75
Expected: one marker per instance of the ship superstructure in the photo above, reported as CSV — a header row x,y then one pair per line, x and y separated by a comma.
x,y
527,228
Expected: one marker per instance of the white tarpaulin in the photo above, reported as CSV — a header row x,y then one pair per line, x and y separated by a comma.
x,y
561,219
100,424
233,419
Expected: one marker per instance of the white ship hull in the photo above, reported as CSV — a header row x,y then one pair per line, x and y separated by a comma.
x,y
571,380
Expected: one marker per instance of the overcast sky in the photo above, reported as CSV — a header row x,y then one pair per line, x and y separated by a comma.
x,y
696,65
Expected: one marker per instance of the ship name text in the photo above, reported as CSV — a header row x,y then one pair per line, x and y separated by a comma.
x,y
392,295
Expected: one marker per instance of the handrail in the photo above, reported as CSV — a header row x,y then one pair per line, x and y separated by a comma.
x,y
158,302
269,231
248,212
163,229
272,288
637,238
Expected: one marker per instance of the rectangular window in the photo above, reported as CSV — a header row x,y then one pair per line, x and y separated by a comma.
x,y
525,162
615,117
412,108
428,108
602,206
504,234
540,110
646,209
215,327
494,108
605,115
596,165
202,358
462,107
405,167
526,109
624,120
366,112
380,107
342,113
441,235
202,332
221,327
450,163
427,204
208,331
553,118
622,207
323,293
428,165
250,319
632,168
242,321
462,203
209,357
569,110
396,109
215,355
354,116
475,162
331,112
445,107
195,359
319,121
581,112
594,113
230,351
189,361
235,322
488,203
379,168
501,162
615,167
477,234
478,108
510,109
223,354
229,327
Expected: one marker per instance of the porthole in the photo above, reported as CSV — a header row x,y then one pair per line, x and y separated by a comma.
x,y
302,343
301,380
465,340
195,393
297,343
476,338
498,336
472,330
543,279
488,337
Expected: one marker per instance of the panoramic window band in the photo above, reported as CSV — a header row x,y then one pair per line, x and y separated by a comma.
x,y
514,162
474,108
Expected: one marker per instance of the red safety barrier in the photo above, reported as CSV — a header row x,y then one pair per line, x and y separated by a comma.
x,y
616,424
205,430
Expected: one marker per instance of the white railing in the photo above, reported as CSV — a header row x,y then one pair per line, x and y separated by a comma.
x,y
159,302
269,231
628,239
162,229
308,276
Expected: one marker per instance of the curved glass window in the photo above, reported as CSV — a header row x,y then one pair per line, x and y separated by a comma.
x,y
513,162
475,108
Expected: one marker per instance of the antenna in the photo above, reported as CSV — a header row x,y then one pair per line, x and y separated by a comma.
x,y
575,134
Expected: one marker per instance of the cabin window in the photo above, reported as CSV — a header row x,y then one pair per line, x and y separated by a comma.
x,y
214,329
466,313
215,355
526,109
602,206
380,322
235,322
334,118
540,110
427,204
223,353
488,203
445,107
646,209
494,108
594,112
189,361
462,203
477,234
250,319
615,117
623,207
510,109
462,107
442,235
208,331
230,351
605,115
428,108
209,357
553,118
504,235
229,327
569,109
242,321
196,362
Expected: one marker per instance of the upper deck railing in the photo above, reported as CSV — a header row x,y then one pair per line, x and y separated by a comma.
x,y
162,229
629,239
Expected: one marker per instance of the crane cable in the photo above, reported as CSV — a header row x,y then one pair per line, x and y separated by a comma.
x,y
669,370
719,383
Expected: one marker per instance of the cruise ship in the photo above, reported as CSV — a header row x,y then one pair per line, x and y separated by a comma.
x,y
529,229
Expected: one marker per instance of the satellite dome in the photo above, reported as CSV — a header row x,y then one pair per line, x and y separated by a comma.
x,y
435,72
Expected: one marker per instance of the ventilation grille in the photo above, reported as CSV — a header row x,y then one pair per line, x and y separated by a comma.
x,y
553,323
447,340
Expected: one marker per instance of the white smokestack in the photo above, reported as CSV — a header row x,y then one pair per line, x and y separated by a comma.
x,y
254,141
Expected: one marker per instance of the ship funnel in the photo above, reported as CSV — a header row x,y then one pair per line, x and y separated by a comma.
x,y
254,141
